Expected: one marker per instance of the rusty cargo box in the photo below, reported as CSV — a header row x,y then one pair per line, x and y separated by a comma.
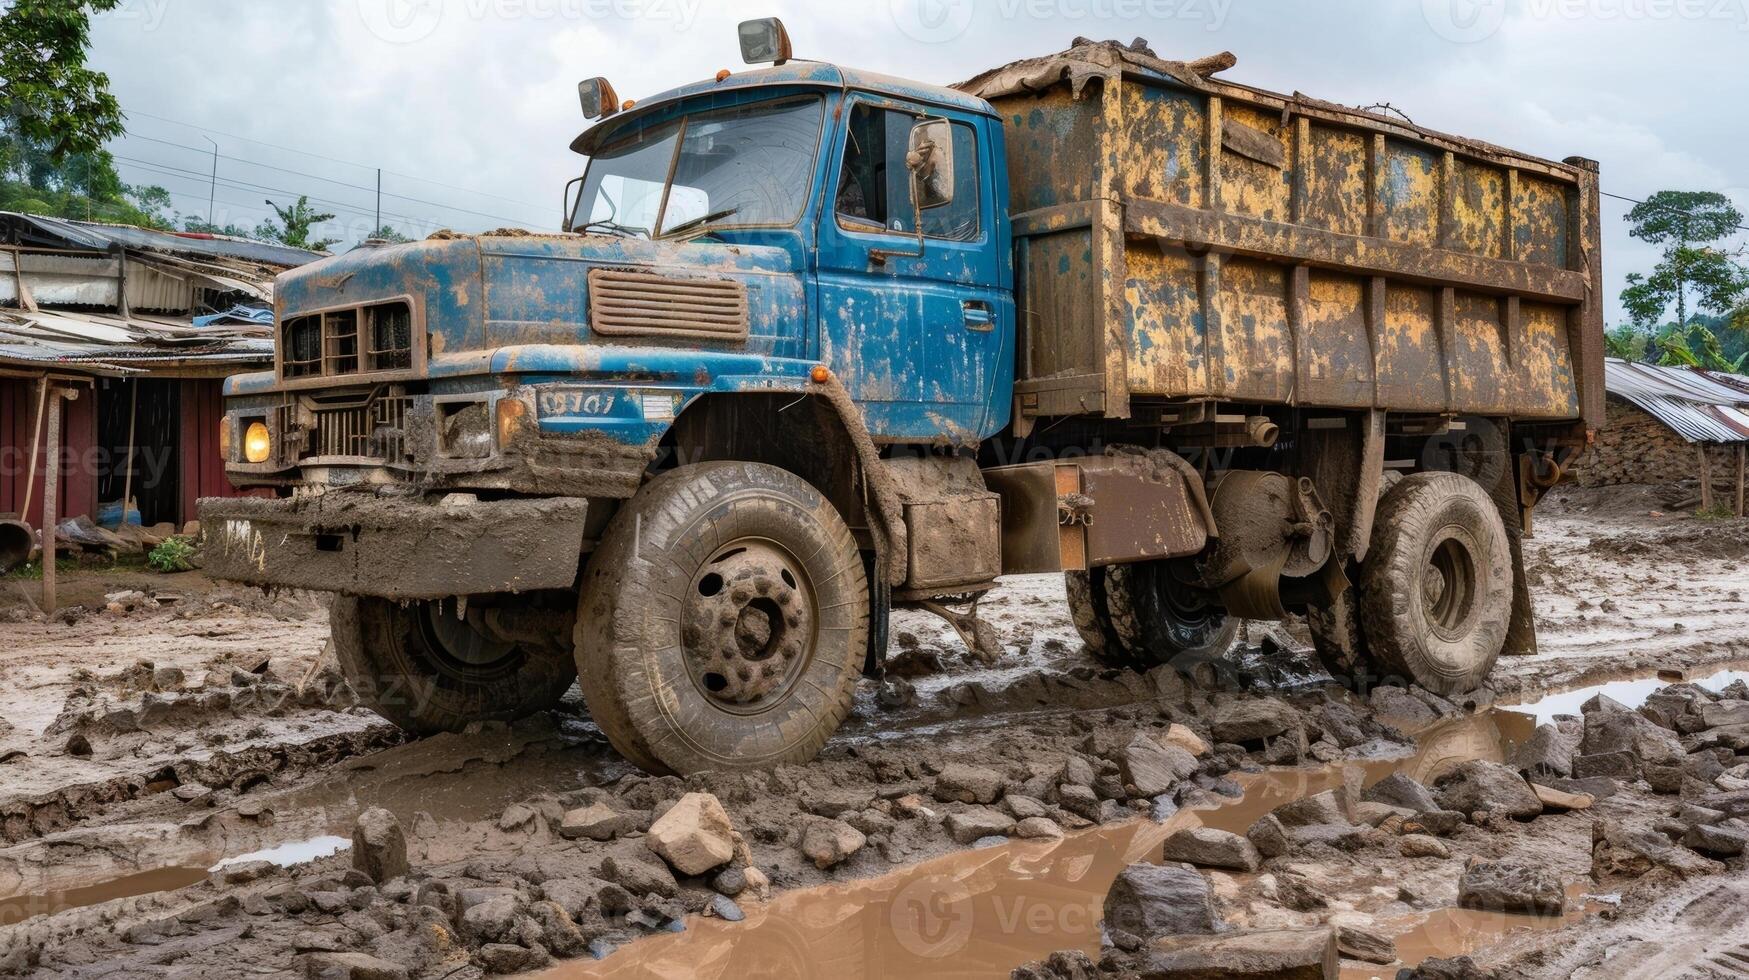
x,y
1182,237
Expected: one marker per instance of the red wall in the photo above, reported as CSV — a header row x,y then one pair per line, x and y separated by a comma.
x,y
203,469
78,491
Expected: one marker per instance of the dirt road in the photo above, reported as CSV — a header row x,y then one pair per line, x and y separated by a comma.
x,y
143,743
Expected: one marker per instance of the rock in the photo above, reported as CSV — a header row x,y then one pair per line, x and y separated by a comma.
x,y
1211,848
1187,740
962,783
829,842
1378,814
1618,850
1399,790
1547,752
694,836
351,966
1597,787
1253,720
1603,704
724,907
1479,785
1065,964
1024,807
1455,968
1079,800
597,821
758,884
1497,886
1319,808
1250,954
379,847
1724,713
1037,828
1554,799
1298,892
977,822
577,895
1154,768
1421,845
247,871
1401,708
730,881
78,745
558,933
490,920
1152,900
1719,840
1610,765
1076,772
1633,733
1355,943
508,958
639,877
1269,836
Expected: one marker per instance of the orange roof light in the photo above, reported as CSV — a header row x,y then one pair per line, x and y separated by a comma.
x,y
629,104
722,73
820,374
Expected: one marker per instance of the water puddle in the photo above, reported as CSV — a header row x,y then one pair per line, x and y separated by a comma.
x,y
292,854
21,907
1632,691
1453,932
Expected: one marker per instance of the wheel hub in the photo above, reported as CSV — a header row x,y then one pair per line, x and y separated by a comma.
x,y
748,623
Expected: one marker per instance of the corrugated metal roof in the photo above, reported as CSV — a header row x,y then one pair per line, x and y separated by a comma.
x,y
1700,406
99,237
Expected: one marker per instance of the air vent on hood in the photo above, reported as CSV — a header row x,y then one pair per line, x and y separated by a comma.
x,y
641,303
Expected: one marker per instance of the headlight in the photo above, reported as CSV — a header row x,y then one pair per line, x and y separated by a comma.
x,y
512,416
257,444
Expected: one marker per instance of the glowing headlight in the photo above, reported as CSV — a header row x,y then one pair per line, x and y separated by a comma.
x,y
257,444
512,416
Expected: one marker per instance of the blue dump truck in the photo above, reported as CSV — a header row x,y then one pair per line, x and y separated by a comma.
x,y
818,344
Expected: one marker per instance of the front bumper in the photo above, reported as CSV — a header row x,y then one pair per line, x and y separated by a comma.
x,y
358,543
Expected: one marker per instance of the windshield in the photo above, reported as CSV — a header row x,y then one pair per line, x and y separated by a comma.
x,y
749,165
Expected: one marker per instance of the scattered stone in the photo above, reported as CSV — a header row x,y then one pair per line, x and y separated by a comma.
x,y
1154,768
639,876
1618,850
78,745
1187,740
1269,836
1479,785
1066,964
1251,954
1355,943
1609,765
724,907
1401,708
598,821
1455,968
1037,828
1152,900
829,842
247,871
1719,840
1554,799
1211,848
694,836
1497,886
974,823
1421,845
1298,892
1024,807
1253,720
508,958
1627,731
492,919
1319,808
351,966
962,783
1547,752
1401,791
730,881
379,847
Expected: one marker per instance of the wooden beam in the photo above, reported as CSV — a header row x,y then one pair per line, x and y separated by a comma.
x,y
1706,478
1741,451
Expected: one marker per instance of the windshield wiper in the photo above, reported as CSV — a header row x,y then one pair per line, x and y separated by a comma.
x,y
613,226
699,223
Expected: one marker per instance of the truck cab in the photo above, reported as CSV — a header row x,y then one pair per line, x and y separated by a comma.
x,y
773,381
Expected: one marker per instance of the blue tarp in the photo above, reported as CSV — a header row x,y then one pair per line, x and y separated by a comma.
x,y
259,315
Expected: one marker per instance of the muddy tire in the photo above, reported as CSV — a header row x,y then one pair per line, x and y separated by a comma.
x,y
1138,616
427,672
1436,588
723,621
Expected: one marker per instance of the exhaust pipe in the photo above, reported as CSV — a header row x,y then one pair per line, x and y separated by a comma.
x,y
17,541
1262,431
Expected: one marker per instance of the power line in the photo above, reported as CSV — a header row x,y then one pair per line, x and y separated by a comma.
x,y
241,185
318,156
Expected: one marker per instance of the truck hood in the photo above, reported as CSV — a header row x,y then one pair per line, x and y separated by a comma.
x,y
486,292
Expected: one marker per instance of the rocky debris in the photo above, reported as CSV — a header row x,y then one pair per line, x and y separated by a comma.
x,y
1324,808
597,821
1148,901
1618,742
1037,828
1211,848
1479,786
976,823
1356,943
1455,968
351,966
379,846
639,873
1554,799
1269,836
1154,768
1627,852
1247,954
1399,790
1722,840
1249,720
1497,886
1398,707
961,783
830,842
1184,738
1548,751
1066,964
694,836
1422,845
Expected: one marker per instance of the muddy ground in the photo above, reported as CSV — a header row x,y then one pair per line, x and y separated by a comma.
x,y
145,740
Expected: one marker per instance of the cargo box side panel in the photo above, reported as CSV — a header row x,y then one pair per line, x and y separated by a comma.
x,y
1164,142
1052,139
1254,187
1255,345
1542,361
1168,336
1063,317
1335,350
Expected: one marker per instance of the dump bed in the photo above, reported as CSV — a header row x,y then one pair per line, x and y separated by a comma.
x,y
1182,237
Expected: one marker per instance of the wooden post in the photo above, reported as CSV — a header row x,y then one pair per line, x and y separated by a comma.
x,y
51,497
1741,452
1706,478
127,484
36,434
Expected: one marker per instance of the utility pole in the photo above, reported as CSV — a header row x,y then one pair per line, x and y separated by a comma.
x,y
212,187
378,226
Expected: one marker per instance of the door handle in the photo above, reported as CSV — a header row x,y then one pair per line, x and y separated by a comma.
x,y
978,315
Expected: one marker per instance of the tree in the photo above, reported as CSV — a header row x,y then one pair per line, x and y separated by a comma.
x,y
295,224
47,95
200,225
1697,347
84,186
1687,224
388,234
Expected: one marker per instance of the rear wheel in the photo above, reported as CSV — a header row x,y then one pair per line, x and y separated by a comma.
x,y
1437,584
723,621
1140,615
428,670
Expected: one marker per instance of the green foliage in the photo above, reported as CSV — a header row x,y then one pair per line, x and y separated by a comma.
x,y
1687,224
294,225
1698,347
1627,342
388,234
174,555
47,95
196,223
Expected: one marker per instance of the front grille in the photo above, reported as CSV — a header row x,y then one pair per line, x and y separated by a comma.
x,y
374,427
640,303
363,339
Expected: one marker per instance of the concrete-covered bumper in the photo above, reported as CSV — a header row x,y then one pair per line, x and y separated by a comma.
x,y
394,547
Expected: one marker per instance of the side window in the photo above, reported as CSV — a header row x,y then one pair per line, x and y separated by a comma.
x,y
874,189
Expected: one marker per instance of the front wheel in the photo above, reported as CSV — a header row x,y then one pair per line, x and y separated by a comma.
x,y
1436,586
723,621
429,670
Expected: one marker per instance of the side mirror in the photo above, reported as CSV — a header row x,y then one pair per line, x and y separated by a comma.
x,y
929,158
598,98
570,206
764,41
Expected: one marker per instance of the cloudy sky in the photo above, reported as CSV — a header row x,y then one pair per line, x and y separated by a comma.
x,y
467,105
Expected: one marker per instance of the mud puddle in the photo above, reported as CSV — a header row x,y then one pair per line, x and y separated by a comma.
x,y
1631,691
982,913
